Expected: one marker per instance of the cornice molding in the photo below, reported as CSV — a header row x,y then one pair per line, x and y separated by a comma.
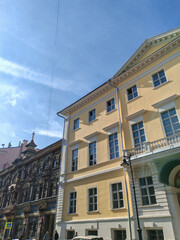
x,y
111,126
135,115
116,79
165,101
92,135
75,142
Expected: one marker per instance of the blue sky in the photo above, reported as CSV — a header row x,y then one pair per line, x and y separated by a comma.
x,y
94,39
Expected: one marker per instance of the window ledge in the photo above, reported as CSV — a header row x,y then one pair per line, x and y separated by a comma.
x,y
149,206
118,209
76,129
91,212
72,214
162,84
89,122
111,111
129,101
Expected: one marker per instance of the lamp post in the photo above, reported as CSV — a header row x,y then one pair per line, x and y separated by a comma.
x,y
127,164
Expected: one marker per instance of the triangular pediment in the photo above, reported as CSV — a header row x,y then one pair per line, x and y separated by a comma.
x,y
149,46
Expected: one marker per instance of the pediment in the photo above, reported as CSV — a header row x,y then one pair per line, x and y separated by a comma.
x,y
149,46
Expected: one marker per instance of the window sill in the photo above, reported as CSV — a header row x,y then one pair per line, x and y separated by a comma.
x,y
118,209
76,129
149,206
162,84
92,212
111,111
92,121
129,101
72,214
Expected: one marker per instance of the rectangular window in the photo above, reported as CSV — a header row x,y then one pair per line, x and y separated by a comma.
x,y
132,93
72,202
92,195
110,105
155,234
92,153
138,134
159,78
113,146
92,115
170,122
120,235
74,160
92,232
117,195
147,191
76,124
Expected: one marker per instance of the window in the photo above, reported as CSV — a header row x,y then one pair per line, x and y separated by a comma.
x,y
159,78
92,232
155,234
70,234
76,124
74,160
147,191
132,93
113,146
92,153
138,134
170,122
92,194
120,235
92,115
72,202
110,105
117,196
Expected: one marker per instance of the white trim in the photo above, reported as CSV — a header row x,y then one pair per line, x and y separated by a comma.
x,y
135,115
109,129
75,143
91,141
75,147
111,197
127,84
166,107
74,125
152,80
114,105
95,116
69,203
127,93
165,101
94,134
88,199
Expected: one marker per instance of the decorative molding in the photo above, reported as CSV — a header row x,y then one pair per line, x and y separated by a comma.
x,y
111,126
92,135
75,142
116,79
135,115
165,101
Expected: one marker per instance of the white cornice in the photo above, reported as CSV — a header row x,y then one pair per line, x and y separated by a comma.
x,y
135,115
75,142
115,80
92,135
165,101
111,126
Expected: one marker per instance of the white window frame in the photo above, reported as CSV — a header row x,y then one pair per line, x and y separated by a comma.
x,y
111,195
74,129
110,132
93,196
89,154
89,113
135,121
127,93
114,105
154,229
148,195
74,147
157,71
69,200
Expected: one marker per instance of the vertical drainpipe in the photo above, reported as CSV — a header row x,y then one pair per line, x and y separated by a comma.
x,y
122,146
65,118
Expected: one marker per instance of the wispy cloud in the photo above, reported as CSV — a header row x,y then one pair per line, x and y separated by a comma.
x,y
10,94
20,71
54,129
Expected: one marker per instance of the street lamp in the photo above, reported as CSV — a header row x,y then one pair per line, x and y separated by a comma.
x,y
127,164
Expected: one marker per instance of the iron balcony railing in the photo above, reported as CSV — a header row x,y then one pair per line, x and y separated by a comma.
x,y
155,145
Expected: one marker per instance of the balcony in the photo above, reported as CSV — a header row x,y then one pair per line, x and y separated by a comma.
x,y
155,146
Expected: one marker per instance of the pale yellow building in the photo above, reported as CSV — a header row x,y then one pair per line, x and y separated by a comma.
x,y
136,112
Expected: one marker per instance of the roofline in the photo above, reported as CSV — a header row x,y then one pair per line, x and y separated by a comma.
x,y
105,86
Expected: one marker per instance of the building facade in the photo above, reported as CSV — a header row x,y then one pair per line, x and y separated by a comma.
x,y
136,113
28,191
